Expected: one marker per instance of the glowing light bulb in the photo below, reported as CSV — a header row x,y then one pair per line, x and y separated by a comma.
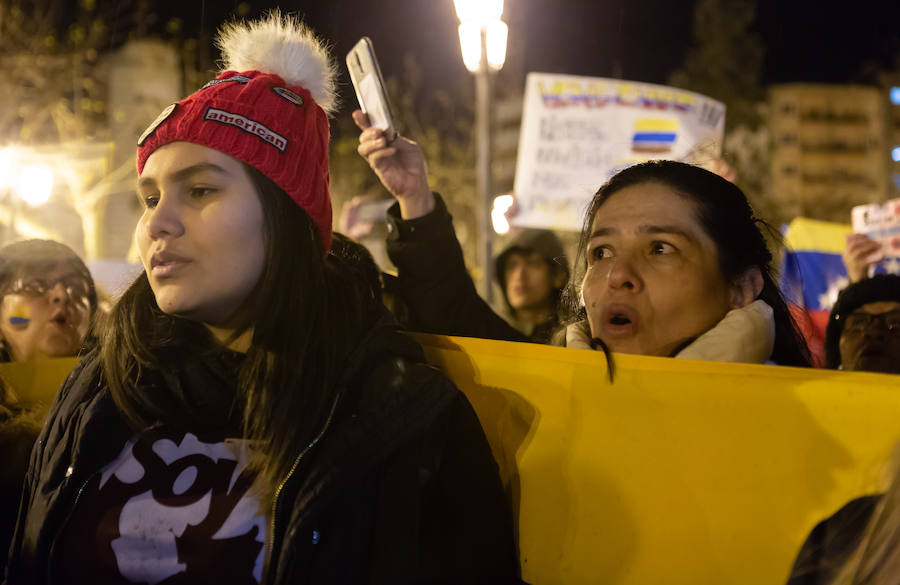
x,y
479,12
35,184
502,203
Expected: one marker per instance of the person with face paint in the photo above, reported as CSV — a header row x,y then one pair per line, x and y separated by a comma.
x,y
253,414
47,302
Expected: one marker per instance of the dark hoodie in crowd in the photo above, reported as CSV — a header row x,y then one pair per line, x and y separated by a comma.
x,y
436,287
550,248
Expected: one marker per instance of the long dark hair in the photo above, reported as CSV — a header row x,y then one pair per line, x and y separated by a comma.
x,y
305,313
728,219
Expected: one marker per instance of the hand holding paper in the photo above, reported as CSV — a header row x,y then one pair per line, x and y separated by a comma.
x,y
860,253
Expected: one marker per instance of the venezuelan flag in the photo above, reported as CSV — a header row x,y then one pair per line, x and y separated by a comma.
x,y
654,135
812,275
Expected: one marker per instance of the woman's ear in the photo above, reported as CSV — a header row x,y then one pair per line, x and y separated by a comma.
x,y
746,287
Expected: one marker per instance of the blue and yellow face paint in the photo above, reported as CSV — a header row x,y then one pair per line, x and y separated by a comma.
x,y
20,317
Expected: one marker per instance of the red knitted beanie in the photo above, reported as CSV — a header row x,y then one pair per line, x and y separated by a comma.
x,y
269,115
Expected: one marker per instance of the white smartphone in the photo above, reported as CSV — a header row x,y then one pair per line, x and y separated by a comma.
x,y
369,86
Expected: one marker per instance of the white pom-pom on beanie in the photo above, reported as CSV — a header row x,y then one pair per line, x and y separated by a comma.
x,y
283,45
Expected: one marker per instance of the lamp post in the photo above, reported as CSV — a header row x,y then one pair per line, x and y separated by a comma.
x,y
482,41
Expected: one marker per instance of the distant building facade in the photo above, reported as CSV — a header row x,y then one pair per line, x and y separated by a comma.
x,y
829,148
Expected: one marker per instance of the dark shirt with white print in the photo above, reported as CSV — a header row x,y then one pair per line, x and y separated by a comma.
x,y
171,508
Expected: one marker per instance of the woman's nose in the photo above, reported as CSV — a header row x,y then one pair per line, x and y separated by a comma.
x,y
58,293
164,219
623,274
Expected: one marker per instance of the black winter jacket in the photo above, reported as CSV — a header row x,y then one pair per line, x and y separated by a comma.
x,y
400,487
435,286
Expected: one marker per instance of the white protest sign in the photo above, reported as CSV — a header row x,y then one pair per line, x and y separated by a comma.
x,y
579,131
882,224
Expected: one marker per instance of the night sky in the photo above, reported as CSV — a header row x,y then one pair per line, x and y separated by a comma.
x,y
641,40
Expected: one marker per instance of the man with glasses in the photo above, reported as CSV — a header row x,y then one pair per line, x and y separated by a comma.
x,y
863,332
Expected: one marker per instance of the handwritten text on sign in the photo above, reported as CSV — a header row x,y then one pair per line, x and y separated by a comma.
x,y
579,131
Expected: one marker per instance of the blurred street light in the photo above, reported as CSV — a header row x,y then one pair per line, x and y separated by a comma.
x,y
495,34
502,203
22,178
34,184
482,42
6,168
478,11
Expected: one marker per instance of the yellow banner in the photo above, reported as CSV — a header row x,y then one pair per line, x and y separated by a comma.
x,y
35,383
678,472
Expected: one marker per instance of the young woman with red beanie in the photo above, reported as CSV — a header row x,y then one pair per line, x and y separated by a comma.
x,y
252,415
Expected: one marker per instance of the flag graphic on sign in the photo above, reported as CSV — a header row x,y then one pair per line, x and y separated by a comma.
x,y
654,135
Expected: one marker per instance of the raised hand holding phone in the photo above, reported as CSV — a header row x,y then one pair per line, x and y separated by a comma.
x,y
399,165
369,86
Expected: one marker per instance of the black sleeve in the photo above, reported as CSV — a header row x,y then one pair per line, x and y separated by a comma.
x,y
831,543
18,433
466,531
433,281
22,555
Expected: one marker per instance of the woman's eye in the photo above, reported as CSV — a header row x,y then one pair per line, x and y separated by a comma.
x,y
150,201
201,191
661,248
601,252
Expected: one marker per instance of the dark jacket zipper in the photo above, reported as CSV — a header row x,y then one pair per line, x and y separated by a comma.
x,y
65,523
276,501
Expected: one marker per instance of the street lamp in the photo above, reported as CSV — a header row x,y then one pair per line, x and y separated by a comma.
x,y
35,184
31,183
502,203
482,41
